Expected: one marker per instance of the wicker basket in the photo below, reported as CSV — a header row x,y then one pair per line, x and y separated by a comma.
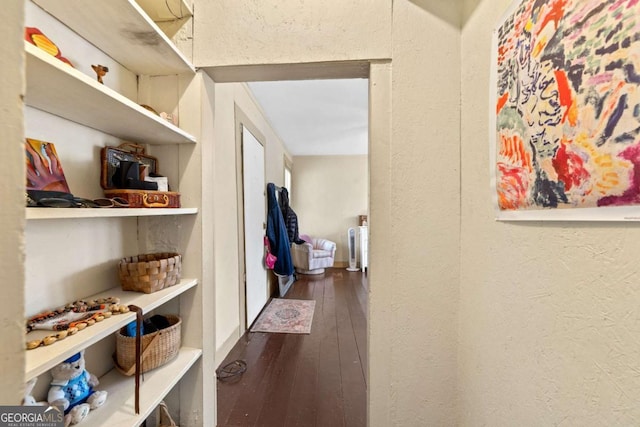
x,y
158,348
150,272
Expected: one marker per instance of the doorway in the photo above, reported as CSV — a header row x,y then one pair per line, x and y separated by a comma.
x,y
379,75
254,214
323,124
328,189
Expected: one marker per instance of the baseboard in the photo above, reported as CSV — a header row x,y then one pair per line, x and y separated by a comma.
x,y
344,265
226,347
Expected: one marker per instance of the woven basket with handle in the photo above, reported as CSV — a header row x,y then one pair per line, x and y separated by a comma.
x,y
150,272
158,347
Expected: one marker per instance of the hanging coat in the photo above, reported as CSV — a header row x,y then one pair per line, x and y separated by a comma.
x,y
277,234
290,217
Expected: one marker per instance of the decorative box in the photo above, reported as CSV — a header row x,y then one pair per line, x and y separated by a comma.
x,y
127,152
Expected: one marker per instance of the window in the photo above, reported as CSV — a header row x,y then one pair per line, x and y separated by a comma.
x,y
287,177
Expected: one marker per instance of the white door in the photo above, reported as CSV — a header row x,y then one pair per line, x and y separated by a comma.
x,y
254,197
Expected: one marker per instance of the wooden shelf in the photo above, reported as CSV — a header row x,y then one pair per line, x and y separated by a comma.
x,y
125,31
119,409
42,359
121,29
169,10
74,213
59,89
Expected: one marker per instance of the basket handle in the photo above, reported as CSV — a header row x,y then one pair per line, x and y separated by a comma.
x,y
143,356
138,364
155,200
165,416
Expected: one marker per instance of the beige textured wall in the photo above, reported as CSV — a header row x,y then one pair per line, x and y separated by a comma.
x,y
12,357
381,407
227,97
415,235
548,311
425,214
237,32
225,222
328,194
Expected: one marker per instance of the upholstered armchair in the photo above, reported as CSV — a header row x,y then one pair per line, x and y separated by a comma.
x,y
313,256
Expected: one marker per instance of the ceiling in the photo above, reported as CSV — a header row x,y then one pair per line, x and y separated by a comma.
x,y
317,117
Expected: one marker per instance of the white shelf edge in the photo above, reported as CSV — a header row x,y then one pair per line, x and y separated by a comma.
x,y
152,301
95,94
42,359
167,58
119,409
76,213
190,67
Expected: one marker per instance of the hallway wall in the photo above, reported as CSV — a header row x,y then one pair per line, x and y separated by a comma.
x,y
12,213
414,157
239,32
228,97
424,216
548,310
329,192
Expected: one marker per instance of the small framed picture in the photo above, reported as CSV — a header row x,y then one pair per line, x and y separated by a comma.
x,y
44,170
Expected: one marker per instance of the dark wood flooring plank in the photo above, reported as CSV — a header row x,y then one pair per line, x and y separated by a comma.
x,y
249,349
305,380
361,289
302,288
279,382
278,397
258,358
330,408
351,369
296,290
303,409
358,321
248,403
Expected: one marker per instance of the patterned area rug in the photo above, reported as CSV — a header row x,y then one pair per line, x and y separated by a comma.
x,y
286,316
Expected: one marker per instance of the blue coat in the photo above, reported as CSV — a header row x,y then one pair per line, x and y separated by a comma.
x,y
277,234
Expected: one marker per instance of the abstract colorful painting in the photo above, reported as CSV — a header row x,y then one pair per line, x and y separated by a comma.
x,y
566,88
44,170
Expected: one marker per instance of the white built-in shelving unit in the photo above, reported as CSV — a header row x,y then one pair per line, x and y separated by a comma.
x,y
44,358
125,32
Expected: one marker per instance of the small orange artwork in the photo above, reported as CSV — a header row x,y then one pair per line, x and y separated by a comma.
x,y
44,170
36,38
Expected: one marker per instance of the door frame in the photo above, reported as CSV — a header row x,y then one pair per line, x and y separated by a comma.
x,y
241,119
380,322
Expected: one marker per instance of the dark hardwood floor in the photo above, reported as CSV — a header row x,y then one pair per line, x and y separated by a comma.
x,y
305,380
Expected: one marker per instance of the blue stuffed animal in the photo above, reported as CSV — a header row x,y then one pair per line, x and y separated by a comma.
x,y
72,388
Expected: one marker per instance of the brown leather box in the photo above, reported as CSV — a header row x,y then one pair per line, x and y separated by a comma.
x,y
111,158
